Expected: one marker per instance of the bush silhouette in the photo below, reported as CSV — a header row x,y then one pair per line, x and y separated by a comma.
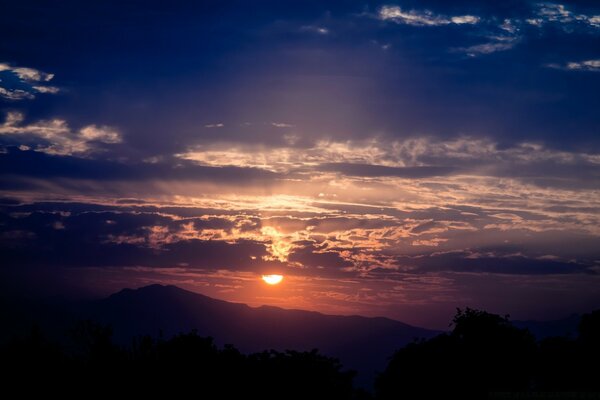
x,y
566,364
183,365
484,353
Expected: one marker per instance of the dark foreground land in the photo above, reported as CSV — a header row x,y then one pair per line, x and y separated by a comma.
x,y
483,356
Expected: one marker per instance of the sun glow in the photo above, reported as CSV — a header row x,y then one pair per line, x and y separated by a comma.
x,y
272,279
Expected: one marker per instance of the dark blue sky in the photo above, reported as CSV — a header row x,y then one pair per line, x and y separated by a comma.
x,y
448,141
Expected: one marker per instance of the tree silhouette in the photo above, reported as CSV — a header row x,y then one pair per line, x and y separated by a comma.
x,y
483,353
566,364
186,363
589,351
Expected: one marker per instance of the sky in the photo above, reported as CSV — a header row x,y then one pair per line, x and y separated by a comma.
x,y
397,158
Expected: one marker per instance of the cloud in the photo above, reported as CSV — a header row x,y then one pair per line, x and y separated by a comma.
x,y
15,94
420,219
281,125
499,37
356,189
465,19
413,158
509,26
422,18
100,134
28,74
382,170
426,241
126,238
587,65
499,43
320,30
494,263
285,159
507,35
322,263
553,13
45,165
56,137
22,83
47,89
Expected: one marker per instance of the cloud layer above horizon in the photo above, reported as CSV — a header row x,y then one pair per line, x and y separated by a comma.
x,y
394,158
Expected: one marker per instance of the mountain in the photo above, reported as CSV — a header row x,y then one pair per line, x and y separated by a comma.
x,y
361,343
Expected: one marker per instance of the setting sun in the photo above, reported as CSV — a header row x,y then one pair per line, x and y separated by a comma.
x,y
272,279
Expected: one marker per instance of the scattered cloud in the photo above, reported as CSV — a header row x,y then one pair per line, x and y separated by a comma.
x,y
218,125
415,157
21,83
56,137
507,35
422,18
102,134
537,22
28,74
547,13
283,159
498,37
587,65
509,26
335,242
15,94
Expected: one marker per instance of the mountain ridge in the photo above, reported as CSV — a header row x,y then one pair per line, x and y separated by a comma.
x,y
156,286
364,344
361,343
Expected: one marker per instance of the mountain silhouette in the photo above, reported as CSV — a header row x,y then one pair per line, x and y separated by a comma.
x,y
154,329
361,343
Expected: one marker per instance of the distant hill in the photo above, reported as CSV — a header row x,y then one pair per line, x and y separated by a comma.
x,y
361,343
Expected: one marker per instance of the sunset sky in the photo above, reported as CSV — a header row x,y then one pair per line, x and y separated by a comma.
x,y
387,158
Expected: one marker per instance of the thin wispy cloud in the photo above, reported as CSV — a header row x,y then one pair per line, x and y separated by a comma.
x,y
548,13
495,38
15,94
56,137
587,65
532,163
281,125
46,89
422,17
22,83
320,30
494,46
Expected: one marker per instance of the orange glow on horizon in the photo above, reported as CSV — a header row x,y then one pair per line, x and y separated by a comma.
x,y
272,279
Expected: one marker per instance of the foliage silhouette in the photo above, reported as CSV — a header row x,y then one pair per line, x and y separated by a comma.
x,y
484,353
184,364
567,364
